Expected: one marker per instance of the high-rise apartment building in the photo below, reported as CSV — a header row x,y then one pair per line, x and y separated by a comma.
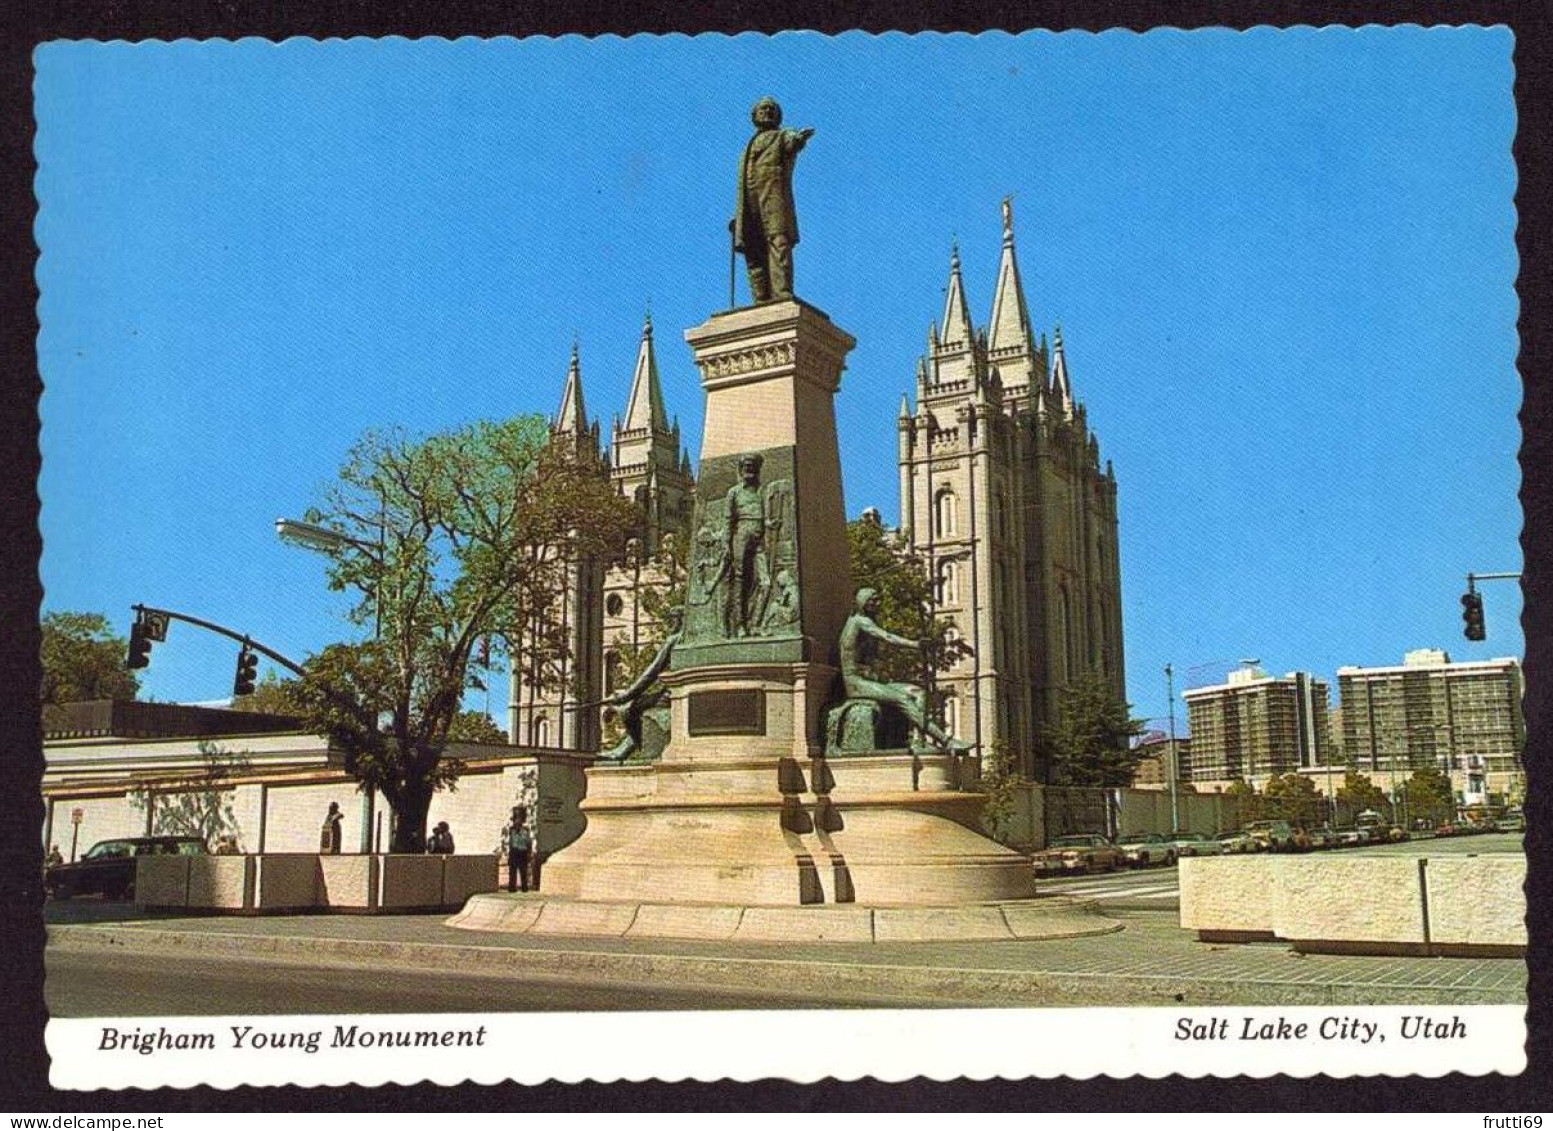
x,y
1430,711
1255,726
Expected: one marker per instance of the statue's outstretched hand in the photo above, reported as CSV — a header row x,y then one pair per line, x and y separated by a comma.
x,y
806,133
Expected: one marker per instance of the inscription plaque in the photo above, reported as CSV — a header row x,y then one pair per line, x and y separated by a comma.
x,y
727,712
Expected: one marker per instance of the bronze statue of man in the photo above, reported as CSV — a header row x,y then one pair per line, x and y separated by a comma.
x,y
765,227
860,640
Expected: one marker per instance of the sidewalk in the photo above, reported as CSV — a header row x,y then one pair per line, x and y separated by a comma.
x,y
1150,961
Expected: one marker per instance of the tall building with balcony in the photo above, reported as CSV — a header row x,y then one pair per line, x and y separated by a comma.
x,y
1256,726
1461,717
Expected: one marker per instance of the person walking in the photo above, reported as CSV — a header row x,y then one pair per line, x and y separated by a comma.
x,y
520,846
440,843
329,838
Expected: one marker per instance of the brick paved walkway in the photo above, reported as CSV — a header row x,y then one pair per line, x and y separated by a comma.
x,y
1150,961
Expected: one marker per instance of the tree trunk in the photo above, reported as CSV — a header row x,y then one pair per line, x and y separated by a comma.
x,y
409,821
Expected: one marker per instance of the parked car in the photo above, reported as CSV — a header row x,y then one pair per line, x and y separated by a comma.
x,y
1234,843
1321,836
1513,822
1274,836
1196,844
1377,829
1079,852
108,867
1144,849
1351,837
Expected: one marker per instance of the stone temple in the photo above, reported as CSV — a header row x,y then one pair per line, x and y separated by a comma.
x,y
1002,490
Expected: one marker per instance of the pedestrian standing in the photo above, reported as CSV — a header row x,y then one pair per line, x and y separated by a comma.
x,y
440,843
520,846
329,839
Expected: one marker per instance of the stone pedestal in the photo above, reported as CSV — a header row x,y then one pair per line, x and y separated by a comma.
x,y
744,810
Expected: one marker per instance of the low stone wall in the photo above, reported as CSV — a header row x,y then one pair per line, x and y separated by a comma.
x,y
1360,904
1231,901
278,882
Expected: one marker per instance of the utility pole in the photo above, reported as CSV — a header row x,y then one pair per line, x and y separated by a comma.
x,y
1174,764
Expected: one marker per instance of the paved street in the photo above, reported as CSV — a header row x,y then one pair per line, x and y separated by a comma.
x,y
93,983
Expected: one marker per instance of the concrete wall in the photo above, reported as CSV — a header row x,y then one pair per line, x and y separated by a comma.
x,y
296,816
1370,904
1043,812
475,809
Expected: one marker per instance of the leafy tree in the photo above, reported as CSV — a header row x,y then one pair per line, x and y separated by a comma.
x,y
906,603
198,803
272,695
475,726
1429,795
1293,798
1248,802
84,659
449,541
1001,783
1090,742
1359,793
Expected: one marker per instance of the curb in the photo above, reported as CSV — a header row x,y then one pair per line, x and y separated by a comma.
x,y
844,982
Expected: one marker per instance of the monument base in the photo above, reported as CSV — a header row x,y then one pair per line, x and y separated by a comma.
x,y
542,914
882,831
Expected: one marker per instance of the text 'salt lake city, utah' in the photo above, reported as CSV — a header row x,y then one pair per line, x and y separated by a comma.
x,y
1009,542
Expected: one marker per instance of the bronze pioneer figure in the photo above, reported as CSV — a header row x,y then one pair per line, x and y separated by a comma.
x,y
765,226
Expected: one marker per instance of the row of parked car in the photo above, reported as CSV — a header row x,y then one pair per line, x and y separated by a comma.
x,y
1093,852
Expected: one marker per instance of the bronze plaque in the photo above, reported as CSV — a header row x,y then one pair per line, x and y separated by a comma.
x,y
727,712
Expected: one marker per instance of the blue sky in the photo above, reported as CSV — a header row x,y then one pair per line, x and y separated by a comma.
x,y
1283,262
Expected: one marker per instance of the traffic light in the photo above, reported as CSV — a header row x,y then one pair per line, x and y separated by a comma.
x,y
1472,614
139,647
247,673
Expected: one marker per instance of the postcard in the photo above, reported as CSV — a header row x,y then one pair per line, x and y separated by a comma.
x,y
1006,543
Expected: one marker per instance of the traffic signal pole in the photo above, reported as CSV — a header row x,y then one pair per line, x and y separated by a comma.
x,y
1472,603
210,626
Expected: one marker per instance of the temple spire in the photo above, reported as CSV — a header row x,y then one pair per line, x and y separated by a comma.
x,y
957,313
645,408
1010,316
573,415
1062,388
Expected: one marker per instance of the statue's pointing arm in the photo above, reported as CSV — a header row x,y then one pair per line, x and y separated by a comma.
x,y
797,139
872,628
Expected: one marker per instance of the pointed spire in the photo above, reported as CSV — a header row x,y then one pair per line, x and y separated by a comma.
x,y
957,313
1061,386
573,416
905,413
1010,316
645,408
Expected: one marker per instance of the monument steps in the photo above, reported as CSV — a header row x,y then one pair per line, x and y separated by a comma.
x,y
1043,917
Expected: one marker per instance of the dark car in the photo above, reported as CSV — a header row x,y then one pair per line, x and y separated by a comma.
x,y
108,867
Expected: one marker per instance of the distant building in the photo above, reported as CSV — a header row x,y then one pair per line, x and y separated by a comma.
x,y
1256,726
1461,717
1153,770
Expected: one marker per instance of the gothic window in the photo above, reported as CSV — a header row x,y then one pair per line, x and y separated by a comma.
x,y
946,514
542,731
949,584
614,604
952,714
1065,625
952,637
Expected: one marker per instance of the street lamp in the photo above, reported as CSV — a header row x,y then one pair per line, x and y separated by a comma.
x,y
322,539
